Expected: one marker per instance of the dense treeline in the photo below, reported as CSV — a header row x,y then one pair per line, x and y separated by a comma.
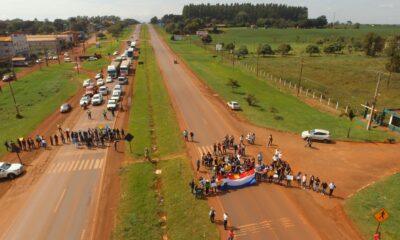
x,y
245,13
79,23
195,17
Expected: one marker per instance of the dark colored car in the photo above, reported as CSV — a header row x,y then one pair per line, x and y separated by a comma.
x,y
66,107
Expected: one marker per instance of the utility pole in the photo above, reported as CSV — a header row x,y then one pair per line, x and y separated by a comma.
x,y
258,64
374,102
77,64
18,115
301,73
45,57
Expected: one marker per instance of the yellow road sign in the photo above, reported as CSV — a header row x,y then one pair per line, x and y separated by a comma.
x,y
382,215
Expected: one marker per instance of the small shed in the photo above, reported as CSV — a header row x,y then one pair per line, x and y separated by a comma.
x,y
394,120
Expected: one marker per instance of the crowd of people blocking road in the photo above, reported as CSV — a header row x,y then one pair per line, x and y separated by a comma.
x,y
92,137
222,163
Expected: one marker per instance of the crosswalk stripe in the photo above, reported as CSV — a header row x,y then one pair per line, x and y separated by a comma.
x,y
81,163
200,152
75,165
204,150
96,164
91,163
59,166
87,161
65,168
210,149
101,163
71,166
51,168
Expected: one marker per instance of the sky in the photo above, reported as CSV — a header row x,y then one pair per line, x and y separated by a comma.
x,y
362,11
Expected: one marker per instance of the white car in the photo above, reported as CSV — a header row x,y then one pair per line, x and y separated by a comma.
x,y
233,105
67,59
109,79
317,134
98,75
115,53
118,87
87,82
92,58
112,104
122,80
116,95
39,60
85,100
10,170
103,90
97,99
54,58
100,82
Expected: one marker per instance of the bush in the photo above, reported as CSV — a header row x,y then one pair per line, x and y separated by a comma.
x,y
251,99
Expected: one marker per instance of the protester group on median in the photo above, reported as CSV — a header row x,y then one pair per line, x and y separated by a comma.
x,y
92,137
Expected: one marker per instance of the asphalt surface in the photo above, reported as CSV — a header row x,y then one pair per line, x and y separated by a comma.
x,y
64,199
259,212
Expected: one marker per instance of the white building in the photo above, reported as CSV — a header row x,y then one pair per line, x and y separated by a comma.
x,y
14,45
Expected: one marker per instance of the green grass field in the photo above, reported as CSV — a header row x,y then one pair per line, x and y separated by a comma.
x,y
363,205
277,110
38,95
349,78
152,121
108,45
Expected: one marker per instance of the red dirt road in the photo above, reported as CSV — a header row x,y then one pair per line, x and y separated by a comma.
x,y
268,211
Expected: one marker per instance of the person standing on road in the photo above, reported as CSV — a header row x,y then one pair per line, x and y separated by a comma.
x,y
51,141
332,187
270,140
105,114
212,215
115,145
259,158
308,142
185,134
231,235
324,186
113,112
225,221
198,164
56,139
311,182
89,114
304,181
191,136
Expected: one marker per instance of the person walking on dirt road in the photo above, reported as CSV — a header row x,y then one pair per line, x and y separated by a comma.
x,y
191,136
89,114
308,142
185,135
113,112
270,140
115,144
225,221
212,215
332,187
105,114
259,158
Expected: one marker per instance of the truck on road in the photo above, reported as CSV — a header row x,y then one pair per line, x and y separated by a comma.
x,y
113,69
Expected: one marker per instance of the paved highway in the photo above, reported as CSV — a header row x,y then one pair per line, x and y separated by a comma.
x,y
63,202
260,212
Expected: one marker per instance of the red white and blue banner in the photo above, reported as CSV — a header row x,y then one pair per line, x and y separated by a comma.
x,y
238,180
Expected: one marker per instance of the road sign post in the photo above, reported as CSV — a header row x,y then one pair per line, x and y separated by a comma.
x,y
129,137
381,216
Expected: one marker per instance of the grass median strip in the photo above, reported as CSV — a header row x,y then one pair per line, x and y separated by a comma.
x,y
172,210
38,95
364,204
275,109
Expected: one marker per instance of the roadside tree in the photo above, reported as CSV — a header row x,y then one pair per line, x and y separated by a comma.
x,y
373,43
264,49
233,84
312,49
393,51
154,20
284,49
251,99
350,115
230,47
206,39
242,51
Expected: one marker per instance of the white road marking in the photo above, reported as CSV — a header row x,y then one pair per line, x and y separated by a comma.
x,y
87,161
80,165
83,234
97,163
59,200
101,163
